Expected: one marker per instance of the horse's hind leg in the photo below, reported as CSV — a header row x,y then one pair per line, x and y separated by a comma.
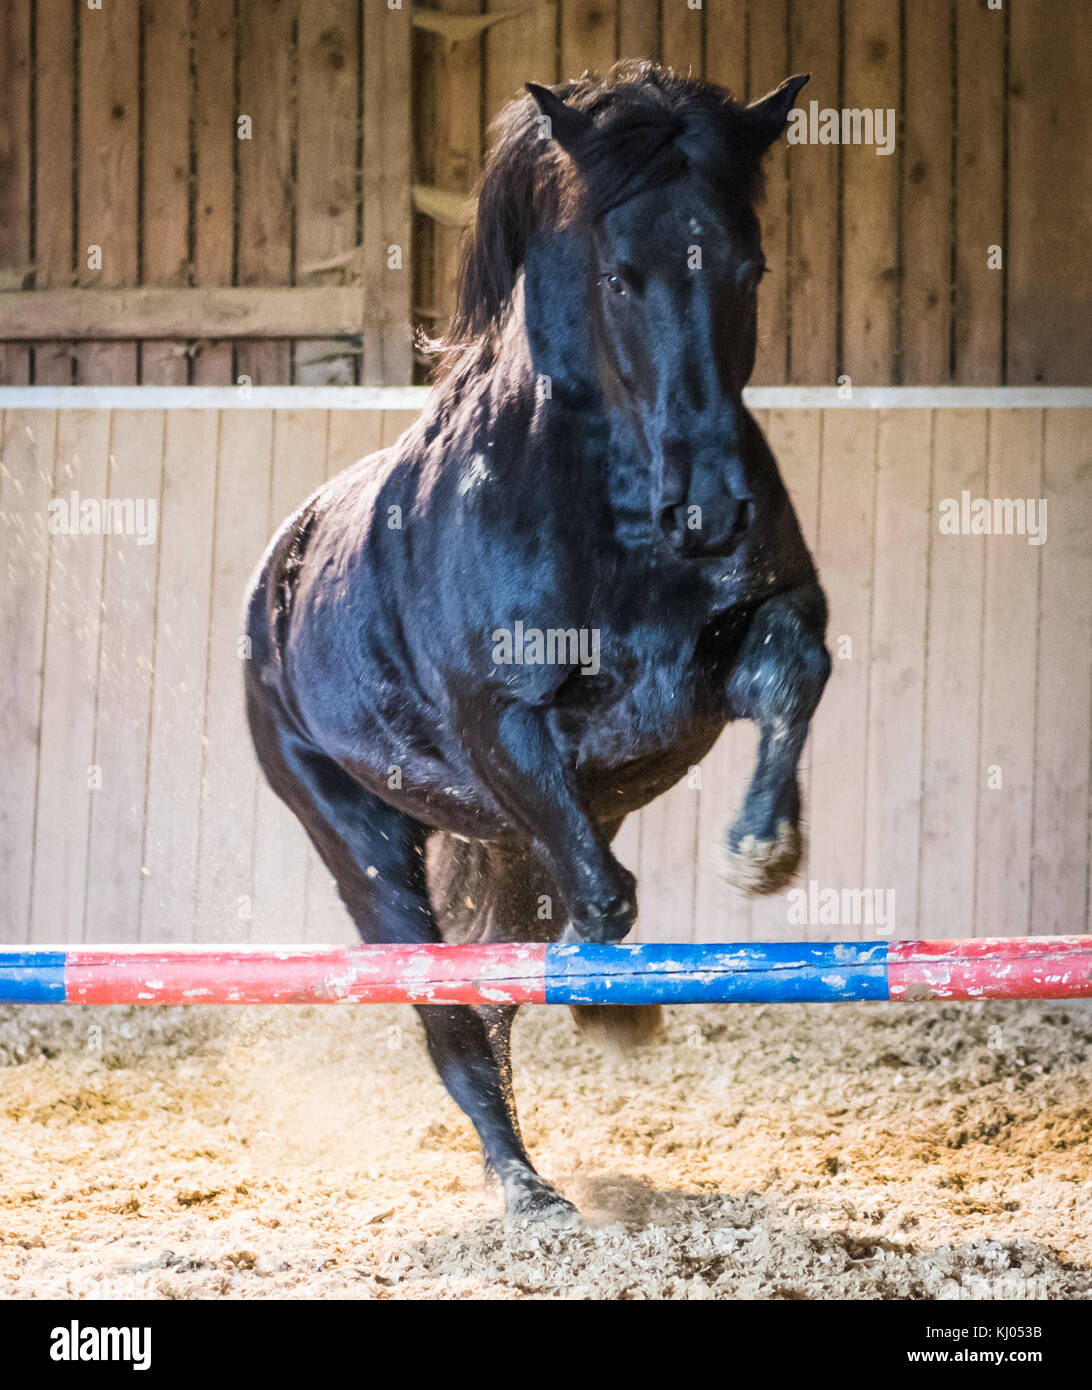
x,y
776,680
376,855
488,892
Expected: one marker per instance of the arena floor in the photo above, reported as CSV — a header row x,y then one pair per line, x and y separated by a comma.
x,y
789,1151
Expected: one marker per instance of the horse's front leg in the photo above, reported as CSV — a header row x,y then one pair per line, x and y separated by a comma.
x,y
514,752
776,681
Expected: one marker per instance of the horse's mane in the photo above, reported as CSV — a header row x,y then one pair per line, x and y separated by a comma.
x,y
654,127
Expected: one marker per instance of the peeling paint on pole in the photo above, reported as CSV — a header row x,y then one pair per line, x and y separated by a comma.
x,y
1045,967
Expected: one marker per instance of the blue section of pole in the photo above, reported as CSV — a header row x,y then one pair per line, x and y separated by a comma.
x,y
32,977
759,972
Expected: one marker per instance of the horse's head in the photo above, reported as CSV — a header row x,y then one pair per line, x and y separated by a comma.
x,y
668,173
629,214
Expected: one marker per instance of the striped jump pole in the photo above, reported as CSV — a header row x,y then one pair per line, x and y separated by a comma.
x,y
1029,967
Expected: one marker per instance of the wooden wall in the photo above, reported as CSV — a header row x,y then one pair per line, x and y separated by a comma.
x,y
965,654
117,127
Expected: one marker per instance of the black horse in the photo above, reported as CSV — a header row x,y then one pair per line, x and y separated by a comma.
x,y
475,652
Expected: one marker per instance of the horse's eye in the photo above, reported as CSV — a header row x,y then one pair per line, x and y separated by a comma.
x,y
613,283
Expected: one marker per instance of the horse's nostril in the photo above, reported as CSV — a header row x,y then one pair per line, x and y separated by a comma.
x,y
673,526
732,524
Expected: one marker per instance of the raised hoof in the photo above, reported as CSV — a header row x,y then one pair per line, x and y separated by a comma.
x,y
611,922
531,1198
619,1027
762,866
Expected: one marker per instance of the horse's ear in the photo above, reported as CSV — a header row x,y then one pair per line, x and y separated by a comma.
x,y
769,115
567,125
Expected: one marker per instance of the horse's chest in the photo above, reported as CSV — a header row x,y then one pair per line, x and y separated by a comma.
x,y
651,697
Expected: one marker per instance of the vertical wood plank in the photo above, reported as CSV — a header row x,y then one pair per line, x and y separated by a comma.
x,y
456,159
26,474
953,648
265,185
638,30
165,250
16,19
796,438
587,37
668,858
870,197
813,252
177,728
519,50
845,560
281,848
123,694
769,66
388,340
1009,658
896,670
393,424
1049,194
926,164
726,45
352,435
326,197
1064,697
980,193
55,79
229,782
427,58
107,169
69,679
215,139
681,38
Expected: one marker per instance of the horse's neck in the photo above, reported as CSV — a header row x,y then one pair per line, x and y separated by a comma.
x,y
537,385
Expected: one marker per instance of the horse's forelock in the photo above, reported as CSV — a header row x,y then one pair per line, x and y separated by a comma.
x,y
650,126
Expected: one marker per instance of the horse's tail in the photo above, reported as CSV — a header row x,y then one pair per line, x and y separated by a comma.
x,y
619,1026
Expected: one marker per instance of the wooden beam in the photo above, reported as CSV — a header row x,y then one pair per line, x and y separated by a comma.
x,y
394,400
212,312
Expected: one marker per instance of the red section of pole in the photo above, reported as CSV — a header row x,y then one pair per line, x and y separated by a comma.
x,y
497,974
991,967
